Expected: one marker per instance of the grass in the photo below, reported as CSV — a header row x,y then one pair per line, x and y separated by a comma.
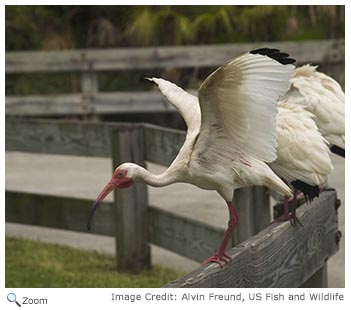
x,y
37,264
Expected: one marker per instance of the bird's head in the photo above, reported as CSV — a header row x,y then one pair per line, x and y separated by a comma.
x,y
123,177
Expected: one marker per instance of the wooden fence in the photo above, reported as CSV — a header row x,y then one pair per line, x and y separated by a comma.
x,y
279,256
89,63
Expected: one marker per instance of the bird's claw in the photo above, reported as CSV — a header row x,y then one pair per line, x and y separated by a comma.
x,y
292,218
216,258
295,220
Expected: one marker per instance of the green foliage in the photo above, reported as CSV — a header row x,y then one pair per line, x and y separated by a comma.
x,y
63,27
150,23
60,27
36,264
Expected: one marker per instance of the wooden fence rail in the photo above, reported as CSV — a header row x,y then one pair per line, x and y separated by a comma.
x,y
91,62
132,221
280,255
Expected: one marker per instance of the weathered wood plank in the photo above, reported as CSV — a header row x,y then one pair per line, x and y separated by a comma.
x,y
162,144
252,204
46,105
131,102
59,136
316,51
133,250
57,212
182,235
89,85
280,255
87,138
88,102
185,236
319,279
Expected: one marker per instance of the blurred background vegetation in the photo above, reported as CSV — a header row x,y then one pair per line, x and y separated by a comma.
x,y
73,27
66,27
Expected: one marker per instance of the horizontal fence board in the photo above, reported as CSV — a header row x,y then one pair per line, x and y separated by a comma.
x,y
316,51
190,238
162,144
57,212
280,255
98,103
185,236
59,137
131,102
86,139
37,105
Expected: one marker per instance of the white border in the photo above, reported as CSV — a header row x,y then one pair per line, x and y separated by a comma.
x,y
93,298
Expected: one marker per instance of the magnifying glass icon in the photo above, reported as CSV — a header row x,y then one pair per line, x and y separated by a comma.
x,y
12,298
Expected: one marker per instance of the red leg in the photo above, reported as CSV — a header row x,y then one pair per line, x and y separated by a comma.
x,y
293,211
286,216
220,255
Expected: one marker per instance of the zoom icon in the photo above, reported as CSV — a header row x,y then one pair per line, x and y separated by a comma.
x,y
12,298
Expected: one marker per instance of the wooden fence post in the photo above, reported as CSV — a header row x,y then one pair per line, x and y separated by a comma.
x,y
89,85
252,204
319,279
133,250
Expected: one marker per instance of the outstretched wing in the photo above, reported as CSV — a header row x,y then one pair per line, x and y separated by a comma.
x,y
186,104
239,105
188,107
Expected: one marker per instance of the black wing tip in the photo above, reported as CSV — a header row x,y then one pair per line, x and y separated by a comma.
x,y
275,54
310,191
338,150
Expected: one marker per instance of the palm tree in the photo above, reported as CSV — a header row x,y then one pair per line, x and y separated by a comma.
x,y
161,25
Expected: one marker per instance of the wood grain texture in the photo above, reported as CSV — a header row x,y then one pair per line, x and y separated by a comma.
x,y
188,237
315,51
280,255
57,212
60,136
162,144
131,205
319,279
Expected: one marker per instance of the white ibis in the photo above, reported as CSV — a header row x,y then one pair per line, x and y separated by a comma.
x,y
231,133
323,97
303,155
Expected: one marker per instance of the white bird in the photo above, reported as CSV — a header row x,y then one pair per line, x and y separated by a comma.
x,y
303,155
322,96
231,133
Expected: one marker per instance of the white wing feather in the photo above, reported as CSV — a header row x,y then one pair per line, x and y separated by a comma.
x,y
303,154
186,104
323,97
188,107
238,106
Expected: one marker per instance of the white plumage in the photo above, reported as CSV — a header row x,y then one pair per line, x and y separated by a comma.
x,y
231,133
322,96
303,153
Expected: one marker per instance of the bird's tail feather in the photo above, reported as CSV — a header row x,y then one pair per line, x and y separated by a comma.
x,y
338,150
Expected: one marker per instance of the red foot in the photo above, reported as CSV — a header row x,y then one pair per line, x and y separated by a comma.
x,y
216,258
283,218
290,217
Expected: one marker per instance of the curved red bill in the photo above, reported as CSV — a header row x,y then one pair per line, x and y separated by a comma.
x,y
110,186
